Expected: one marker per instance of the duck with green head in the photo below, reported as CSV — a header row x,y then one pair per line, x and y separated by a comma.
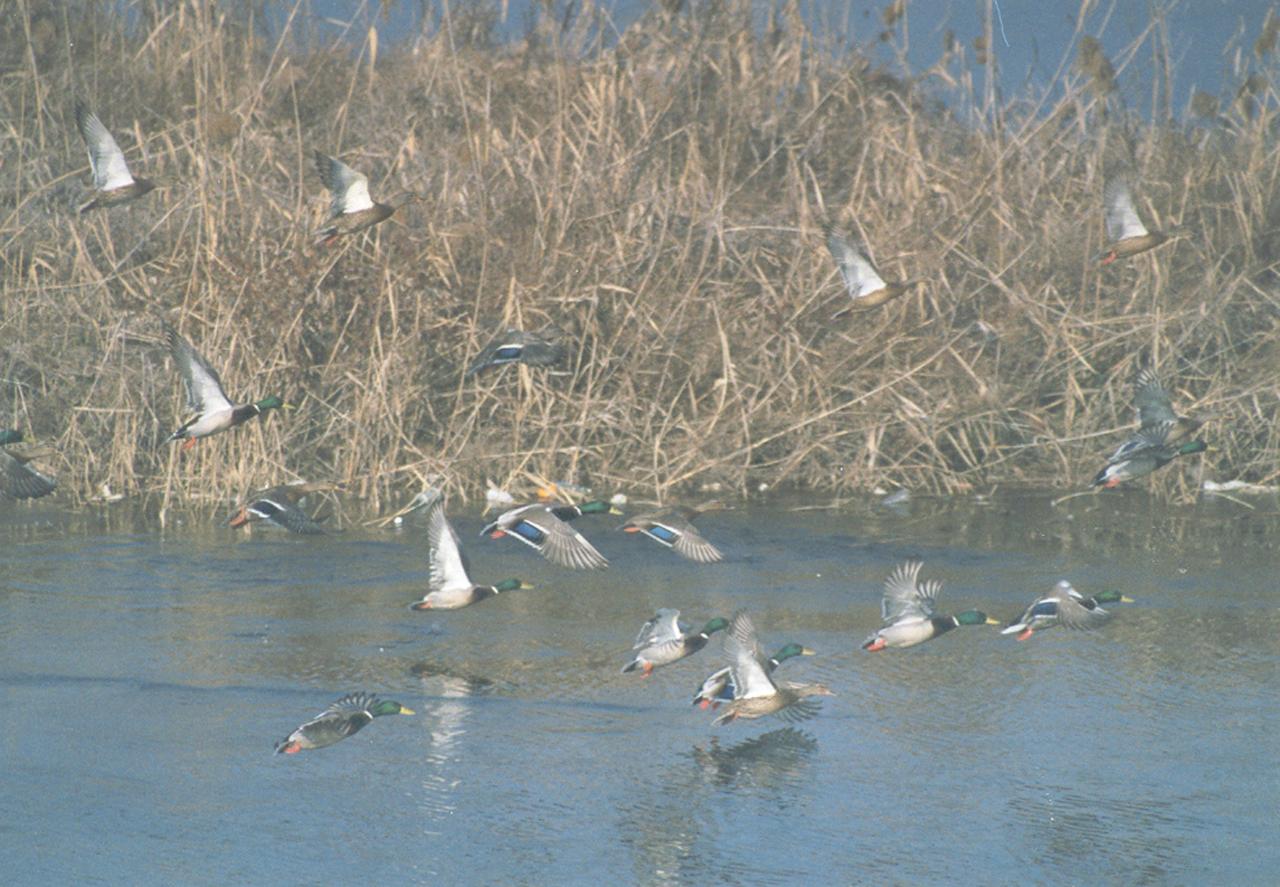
x,y
718,688
18,479
755,693
345,717
280,506
449,586
907,609
1162,435
1064,606
212,411
663,640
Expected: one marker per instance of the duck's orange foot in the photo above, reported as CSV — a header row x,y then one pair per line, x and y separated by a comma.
x,y
188,444
1026,633
648,669
1110,257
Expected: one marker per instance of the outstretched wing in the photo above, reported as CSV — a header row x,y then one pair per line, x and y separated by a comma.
x,y
19,480
350,189
563,544
663,627
860,278
903,596
204,388
750,677
449,568
1151,399
1122,218
109,169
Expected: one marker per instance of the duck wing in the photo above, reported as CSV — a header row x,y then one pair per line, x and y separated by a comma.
x,y
750,677
1151,399
109,168
904,597
1076,611
663,627
860,277
1122,217
204,389
449,567
563,545
18,480
350,189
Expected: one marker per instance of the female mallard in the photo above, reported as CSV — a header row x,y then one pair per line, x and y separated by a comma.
x,y
718,688
663,640
1162,435
865,286
450,586
1125,230
1064,606
539,527
279,506
756,694
18,480
908,611
213,411
541,349
351,208
673,527
111,176
344,718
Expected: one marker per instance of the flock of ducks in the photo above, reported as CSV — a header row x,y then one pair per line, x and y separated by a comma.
x,y
746,688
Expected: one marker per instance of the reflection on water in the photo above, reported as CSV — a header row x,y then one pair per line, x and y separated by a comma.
x,y
154,670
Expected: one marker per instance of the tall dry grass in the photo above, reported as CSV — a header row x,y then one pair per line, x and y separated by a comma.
x,y
659,198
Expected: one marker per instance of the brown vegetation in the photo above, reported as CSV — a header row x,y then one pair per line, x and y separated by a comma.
x,y
661,201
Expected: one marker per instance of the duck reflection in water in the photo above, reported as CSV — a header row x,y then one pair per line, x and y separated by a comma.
x,y
771,759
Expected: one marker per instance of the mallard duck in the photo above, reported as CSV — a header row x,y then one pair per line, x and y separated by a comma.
x,y
540,528
344,718
450,586
18,480
756,694
663,640
1064,606
541,349
1125,230
213,411
1162,435
908,611
673,528
718,687
865,286
278,505
111,176
351,209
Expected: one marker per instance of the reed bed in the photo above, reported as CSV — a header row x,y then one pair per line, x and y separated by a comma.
x,y
658,197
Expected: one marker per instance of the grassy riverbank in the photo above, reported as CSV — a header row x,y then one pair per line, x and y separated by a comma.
x,y
660,200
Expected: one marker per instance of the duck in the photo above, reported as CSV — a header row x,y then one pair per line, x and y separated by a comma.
x,y
345,717
18,479
756,693
864,284
718,687
907,609
112,181
1128,235
541,349
663,640
1064,606
548,533
351,209
1162,435
673,527
279,506
450,586
213,411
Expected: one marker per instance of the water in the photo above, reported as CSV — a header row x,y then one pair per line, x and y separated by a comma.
x,y
147,675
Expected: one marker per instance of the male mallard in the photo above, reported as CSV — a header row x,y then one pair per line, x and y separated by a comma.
x,y
278,505
1064,606
450,586
343,718
18,480
1125,230
908,611
663,640
541,349
213,412
1162,435
111,177
539,527
756,694
866,287
718,687
351,208
673,528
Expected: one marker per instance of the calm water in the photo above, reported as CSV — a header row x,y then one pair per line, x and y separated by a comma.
x,y
147,675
